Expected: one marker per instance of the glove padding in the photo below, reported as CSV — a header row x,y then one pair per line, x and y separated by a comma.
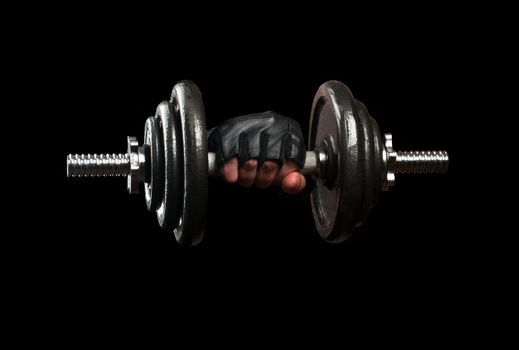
x,y
262,136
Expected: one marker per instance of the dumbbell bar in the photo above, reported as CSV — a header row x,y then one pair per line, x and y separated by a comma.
x,y
119,164
349,157
310,167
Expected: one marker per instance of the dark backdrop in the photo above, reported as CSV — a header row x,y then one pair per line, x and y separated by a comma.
x,y
103,254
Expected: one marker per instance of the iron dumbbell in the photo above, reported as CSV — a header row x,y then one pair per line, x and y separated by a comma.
x,y
349,155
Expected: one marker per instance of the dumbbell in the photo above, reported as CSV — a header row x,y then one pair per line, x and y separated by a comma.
x,y
351,159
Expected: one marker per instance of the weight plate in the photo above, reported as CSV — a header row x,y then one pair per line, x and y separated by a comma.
x,y
154,186
169,210
342,125
188,107
372,160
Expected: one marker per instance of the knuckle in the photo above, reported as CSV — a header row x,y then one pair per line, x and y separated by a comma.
x,y
231,176
268,167
250,165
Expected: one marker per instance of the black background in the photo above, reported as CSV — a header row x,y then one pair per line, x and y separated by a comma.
x,y
102,255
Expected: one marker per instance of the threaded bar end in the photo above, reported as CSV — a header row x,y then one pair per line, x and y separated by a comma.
x,y
421,162
85,165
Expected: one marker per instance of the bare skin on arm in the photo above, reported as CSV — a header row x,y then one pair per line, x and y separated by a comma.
x,y
290,179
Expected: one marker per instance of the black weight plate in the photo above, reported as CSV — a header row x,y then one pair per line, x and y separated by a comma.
x,y
168,212
336,208
186,100
154,187
373,167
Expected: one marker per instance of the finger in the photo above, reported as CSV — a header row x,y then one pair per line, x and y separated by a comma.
x,y
230,170
266,174
288,167
247,173
293,183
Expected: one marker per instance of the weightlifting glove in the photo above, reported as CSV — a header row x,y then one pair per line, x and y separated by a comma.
x,y
262,136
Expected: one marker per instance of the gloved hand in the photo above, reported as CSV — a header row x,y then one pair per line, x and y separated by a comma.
x,y
260,149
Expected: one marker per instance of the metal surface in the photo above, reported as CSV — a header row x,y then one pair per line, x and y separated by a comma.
x,y
132,165
189,112
83,165
421,162
212,168
411,162
154,186
341,127
170,206
311,165
389,156
326,130
348,155
137,165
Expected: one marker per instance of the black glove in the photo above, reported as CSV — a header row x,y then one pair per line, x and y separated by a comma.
x,y
263,136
